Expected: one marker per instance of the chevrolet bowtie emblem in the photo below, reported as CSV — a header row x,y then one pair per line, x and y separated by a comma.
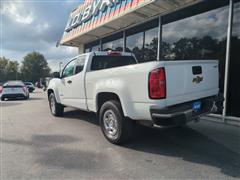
x,y
197,79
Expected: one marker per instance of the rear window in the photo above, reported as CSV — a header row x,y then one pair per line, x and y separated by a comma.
x,y
27,83
105,62
14,84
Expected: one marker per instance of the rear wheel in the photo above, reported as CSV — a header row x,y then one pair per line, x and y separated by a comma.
x,y
27,97
2,98
55,107
115,127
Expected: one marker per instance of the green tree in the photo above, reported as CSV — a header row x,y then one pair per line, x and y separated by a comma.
x,y
150,51
8,69
3,65
34,67
12,70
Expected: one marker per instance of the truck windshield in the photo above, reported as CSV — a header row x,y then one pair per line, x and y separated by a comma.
x,y
105,62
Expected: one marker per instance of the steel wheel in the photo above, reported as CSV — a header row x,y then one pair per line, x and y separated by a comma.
x,y
110,124
115,127
56,108
52,104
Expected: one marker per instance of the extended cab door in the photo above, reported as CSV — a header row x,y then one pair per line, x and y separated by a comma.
x,y
72,91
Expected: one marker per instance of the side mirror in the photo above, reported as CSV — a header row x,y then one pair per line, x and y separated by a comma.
x,y
56,75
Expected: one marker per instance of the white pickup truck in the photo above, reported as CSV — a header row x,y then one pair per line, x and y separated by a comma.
x,y
121,91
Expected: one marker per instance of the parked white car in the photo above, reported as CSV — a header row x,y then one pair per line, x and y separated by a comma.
x,y
121,91
13,90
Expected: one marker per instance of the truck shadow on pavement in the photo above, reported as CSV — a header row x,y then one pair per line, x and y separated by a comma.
x,y
188,144
82,115
184,143
181,142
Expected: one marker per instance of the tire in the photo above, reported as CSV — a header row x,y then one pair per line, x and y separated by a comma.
x,y
27,97
115,127
56,108
2,98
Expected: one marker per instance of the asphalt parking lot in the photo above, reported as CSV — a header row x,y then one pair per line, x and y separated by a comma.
x,y
36,145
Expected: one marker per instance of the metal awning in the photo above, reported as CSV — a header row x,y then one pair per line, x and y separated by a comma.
x,y
120,15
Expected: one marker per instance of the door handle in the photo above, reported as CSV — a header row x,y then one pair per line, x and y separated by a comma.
x,y
69,81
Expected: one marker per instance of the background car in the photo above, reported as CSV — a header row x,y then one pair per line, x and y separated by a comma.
x,y
38,84
14,90
30,86
1,87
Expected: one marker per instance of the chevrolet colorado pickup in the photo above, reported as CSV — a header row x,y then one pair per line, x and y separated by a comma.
x,y
121,91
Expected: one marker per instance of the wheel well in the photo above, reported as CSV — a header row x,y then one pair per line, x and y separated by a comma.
x,y
49,92
106,96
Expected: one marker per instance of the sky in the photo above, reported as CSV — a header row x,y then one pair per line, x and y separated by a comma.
x,y
35,25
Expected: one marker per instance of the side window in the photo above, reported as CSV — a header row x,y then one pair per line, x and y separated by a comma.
x,y
69,69
105,62
80,64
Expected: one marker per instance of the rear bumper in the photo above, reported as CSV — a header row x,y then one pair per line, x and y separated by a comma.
x,y
13,96
183,113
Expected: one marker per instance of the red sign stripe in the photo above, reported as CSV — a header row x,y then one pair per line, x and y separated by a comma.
x,y
99,20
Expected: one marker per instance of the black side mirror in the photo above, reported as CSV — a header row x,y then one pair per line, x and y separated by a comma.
x,y
56,75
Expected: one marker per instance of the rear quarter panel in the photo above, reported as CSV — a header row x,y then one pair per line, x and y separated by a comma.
x,y
130,83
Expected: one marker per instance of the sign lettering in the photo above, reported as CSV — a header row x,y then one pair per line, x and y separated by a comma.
x,y
89,12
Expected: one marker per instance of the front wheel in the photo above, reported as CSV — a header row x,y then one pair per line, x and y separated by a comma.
x,y
55,107
115,127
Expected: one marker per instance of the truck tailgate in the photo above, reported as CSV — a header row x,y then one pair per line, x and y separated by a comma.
x,y
190,80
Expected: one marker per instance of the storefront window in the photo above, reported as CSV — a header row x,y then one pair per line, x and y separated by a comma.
x,y
134,44
233,103
151,44
202,36
116,45
93,46
87,50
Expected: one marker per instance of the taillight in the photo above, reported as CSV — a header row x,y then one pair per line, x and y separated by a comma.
x,y
24,88
1,89
157,84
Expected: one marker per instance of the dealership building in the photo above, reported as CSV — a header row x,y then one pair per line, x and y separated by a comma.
x,y
163,30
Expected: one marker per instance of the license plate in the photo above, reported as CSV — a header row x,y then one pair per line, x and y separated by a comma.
x,y
197,105
11,90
